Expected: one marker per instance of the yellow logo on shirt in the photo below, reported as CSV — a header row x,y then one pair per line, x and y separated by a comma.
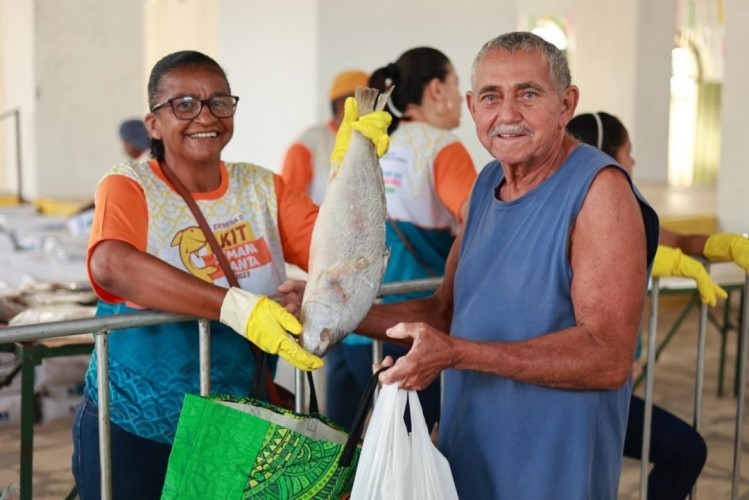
x,y
191,241
237,240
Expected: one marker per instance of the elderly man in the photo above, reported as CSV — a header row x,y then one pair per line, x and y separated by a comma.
x,y
542,296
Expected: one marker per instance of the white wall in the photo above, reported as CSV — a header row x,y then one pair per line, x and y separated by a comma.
x,y
173,25
605,72
352,36
88,74
733,177
17,73
77,70
4,127
270,52
656,25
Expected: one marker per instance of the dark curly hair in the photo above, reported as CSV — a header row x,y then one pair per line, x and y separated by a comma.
x,y
410,75
171,62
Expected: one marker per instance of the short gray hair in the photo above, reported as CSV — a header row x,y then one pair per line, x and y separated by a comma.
x,y
559,69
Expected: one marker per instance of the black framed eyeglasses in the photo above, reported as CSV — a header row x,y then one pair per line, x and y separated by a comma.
x,y
187,107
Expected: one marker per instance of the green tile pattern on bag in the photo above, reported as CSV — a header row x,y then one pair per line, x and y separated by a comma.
x,y
223,452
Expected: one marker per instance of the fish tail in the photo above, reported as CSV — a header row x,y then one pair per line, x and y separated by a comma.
x,y
371,99
367,98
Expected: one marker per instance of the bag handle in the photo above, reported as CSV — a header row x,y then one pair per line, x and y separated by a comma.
x,y
262,371
313,406
361,415
401,236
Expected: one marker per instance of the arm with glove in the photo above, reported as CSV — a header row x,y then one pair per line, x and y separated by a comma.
x,y
719,247
260,319
728,247
266,324
672,262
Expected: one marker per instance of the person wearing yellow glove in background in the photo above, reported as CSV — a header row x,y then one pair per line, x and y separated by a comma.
x,y
677,451
727,247
146,251
672,262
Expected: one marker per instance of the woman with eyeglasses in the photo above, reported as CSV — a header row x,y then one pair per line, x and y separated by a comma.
x,y
147,251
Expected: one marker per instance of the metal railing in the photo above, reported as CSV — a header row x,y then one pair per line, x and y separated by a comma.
x,y
103,325
699,384
16,115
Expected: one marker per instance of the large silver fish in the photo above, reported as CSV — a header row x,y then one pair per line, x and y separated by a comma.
x,y
348,255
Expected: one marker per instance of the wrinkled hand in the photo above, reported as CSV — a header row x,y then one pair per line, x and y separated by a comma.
x,y
372,126
266,324
672,262
431,352
723,247
292,294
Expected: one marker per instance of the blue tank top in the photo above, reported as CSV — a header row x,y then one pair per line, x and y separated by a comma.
x,y
512,440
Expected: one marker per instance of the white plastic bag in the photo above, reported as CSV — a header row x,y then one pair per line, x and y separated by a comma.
x,y
395,465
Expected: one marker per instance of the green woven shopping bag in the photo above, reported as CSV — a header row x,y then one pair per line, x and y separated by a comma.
x,y
228,447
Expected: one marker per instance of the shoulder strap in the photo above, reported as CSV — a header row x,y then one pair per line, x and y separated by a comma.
x,y
410,248
209,236
261,365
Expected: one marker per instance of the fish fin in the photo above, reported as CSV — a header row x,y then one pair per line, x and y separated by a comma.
x,y
176,239
335,273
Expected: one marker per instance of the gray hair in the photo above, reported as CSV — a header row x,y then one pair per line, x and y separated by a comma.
x,y
559,69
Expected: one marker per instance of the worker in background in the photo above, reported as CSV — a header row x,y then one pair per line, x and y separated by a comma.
x,y
307,162
135,140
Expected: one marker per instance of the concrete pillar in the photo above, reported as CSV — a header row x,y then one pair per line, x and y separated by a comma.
x,y
75,70
733,176
655,32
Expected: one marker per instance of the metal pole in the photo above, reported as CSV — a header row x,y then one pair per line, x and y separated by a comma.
x,y
25,333
204,347
299,390
19,166
699,378
376,359
742,391
399,287
28,417
105,452
649,379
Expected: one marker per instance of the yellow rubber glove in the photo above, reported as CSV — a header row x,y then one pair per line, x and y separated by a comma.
x,y
728,247
343,136
373,126
266,324
672,262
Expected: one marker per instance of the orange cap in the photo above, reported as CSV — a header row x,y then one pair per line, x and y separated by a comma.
x,y
345,83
